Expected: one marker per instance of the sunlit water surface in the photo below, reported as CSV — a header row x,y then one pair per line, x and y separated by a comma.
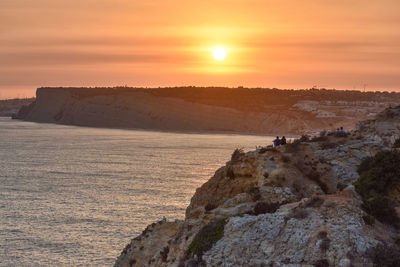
x,y
75,196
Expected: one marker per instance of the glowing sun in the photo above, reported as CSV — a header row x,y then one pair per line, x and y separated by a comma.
x,y
219,53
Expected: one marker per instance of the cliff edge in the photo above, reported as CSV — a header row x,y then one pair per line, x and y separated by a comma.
x,y
294,205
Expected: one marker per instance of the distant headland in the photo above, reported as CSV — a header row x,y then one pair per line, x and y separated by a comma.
x,y
206,109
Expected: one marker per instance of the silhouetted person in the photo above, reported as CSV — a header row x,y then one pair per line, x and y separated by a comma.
x,y
340,132
283,140
277,142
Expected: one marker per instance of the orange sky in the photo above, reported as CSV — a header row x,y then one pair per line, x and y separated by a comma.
x,y
271,43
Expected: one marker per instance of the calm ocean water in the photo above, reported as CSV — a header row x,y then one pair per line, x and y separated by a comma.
x,y
75,196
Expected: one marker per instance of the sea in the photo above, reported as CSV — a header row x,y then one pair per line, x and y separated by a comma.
x,y
75,196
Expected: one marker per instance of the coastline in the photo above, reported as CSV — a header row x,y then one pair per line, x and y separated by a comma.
x,y
246,112
291,136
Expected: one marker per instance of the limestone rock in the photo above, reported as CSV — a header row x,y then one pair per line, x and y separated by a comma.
x,y
151,247
289,206
332,232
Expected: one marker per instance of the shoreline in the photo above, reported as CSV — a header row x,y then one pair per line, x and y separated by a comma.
x,y
167,131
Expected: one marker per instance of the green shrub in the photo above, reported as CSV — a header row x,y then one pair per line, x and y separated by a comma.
x,y
368,219
207,237
377,176
164,254
321,263
265,207
396,143
384,255
365,164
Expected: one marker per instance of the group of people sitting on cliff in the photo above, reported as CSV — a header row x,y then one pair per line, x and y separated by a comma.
x,y
279,142
340,132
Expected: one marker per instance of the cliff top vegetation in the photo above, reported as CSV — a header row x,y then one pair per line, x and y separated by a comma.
x,y
242,98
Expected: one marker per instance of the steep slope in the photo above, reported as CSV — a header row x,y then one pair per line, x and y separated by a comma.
x,y
290,206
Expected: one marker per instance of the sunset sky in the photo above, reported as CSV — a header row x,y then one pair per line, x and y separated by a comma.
x,y
270,43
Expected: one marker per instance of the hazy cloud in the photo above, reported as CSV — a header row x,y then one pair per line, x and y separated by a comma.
x,y
272,43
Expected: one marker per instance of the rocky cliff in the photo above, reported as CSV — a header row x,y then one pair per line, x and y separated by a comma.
x,y
201,109
294,205
10,107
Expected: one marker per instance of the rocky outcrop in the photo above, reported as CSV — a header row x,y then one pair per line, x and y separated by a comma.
x,y
299,233
289,206
154,238
229,110
344,155
385,128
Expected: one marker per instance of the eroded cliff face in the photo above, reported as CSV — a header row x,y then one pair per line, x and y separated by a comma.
x,y
150,109
47,105
290,206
